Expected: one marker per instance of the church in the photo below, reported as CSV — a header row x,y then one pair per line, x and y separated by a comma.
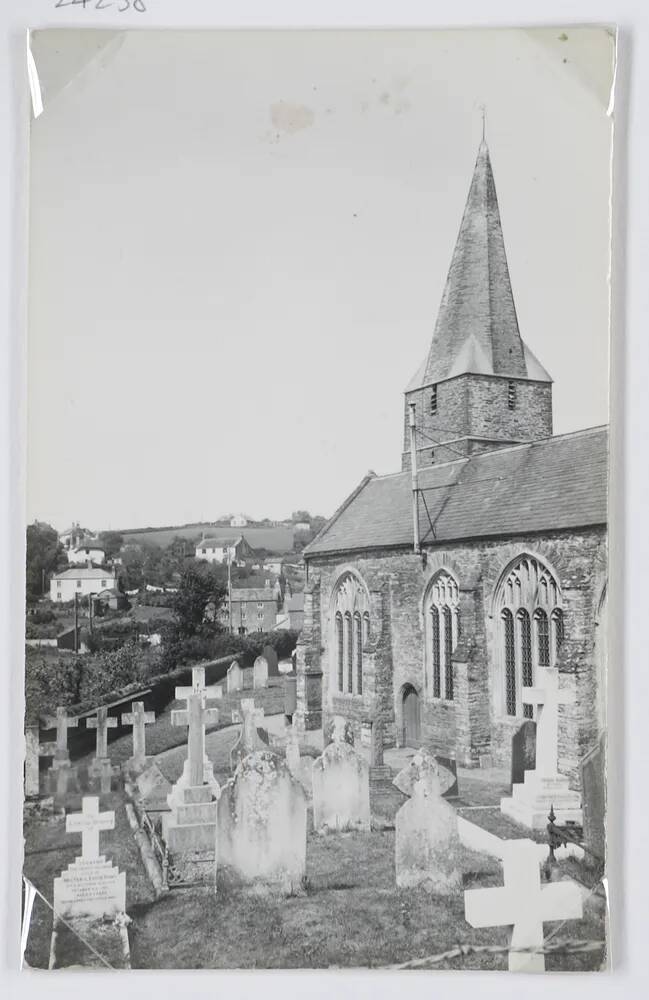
x,y
435,594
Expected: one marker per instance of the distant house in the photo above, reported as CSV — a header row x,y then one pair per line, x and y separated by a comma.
x,y
219,550
301,526
87,552
73,536
253,610
81,580
238,521
274,566
113,599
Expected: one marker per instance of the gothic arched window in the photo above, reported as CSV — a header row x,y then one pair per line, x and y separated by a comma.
x,y
530,597
442,633
351,630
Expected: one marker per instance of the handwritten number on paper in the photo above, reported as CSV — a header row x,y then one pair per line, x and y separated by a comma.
x,y
137,5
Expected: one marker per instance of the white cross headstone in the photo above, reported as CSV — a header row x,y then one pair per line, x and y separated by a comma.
x,y
196,716
524,903
88,823
102,723
214,692
546,696
138,718
62,723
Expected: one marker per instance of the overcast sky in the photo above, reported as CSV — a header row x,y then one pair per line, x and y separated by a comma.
x,y
239,243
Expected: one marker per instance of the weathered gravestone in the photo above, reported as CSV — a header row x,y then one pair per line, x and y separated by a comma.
x,y
523,751
341,784
91,886
101,771
449,764
138,719
153,789
262,825
338,729
427,844
524,903
249,738
61,776
234,678
593,783
260,673
34,750
424,767
272,660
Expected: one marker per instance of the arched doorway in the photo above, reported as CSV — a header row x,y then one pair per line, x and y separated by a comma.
x,y
411,718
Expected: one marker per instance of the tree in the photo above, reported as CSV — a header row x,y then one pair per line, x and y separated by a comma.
x,y
300,515
112,542
45,555
199,586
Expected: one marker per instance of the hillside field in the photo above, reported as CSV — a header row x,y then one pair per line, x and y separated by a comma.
x,y
278,540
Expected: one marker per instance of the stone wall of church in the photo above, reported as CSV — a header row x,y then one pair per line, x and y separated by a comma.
x,y
474,723
476,406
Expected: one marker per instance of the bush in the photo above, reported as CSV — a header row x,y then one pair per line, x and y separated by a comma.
x,y
246,648
41,617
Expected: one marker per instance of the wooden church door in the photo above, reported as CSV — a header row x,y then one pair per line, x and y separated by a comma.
x,y
411,721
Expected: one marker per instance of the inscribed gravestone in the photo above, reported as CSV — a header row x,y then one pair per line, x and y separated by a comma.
x,y
423,766
260,673
341,788
524,903
593,783
91,886
427,844
523,751
262,825
234,678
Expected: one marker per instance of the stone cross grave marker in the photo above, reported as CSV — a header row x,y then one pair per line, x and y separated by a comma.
x,y
213,692
138,719
523,751
62,723
546,697
524,903
196,716
88,823
102,722
34,749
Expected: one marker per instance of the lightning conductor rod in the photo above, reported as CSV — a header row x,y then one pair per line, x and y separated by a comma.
x,y
415,481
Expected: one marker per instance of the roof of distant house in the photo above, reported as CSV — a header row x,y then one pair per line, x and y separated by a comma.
x,y
84,573
219,543
252,594
550,485
295,603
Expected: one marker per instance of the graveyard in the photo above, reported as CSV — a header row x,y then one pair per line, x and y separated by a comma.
x,y
254,845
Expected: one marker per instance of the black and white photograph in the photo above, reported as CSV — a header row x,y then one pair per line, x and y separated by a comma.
x,y
317,493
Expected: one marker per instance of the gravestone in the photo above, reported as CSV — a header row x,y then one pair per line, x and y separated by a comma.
x,y
90,886
153,789
523,751
450,765
102,722
427,844
212,693
379,770
524,903
234,678
138,719
593,783
260,673
424,767
338,729
341,785
292,750
366,733
544,788
270,655
262,825
34,750
61,723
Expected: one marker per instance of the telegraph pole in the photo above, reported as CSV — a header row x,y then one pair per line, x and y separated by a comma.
x,y
229,591
76,622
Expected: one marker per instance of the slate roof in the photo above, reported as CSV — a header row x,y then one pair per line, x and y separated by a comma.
x,y
84,573
252,594
550,485
477,328
219,543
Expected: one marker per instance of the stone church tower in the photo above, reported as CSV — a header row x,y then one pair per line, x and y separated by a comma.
x,y
480,387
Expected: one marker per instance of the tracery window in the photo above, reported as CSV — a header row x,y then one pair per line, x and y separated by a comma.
x,y
442,632
531,629
351,631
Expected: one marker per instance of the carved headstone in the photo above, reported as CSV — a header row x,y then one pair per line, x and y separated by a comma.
x,y
427,844
523,751
138,719
424,767
341,787
262,825
260,673
91,886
